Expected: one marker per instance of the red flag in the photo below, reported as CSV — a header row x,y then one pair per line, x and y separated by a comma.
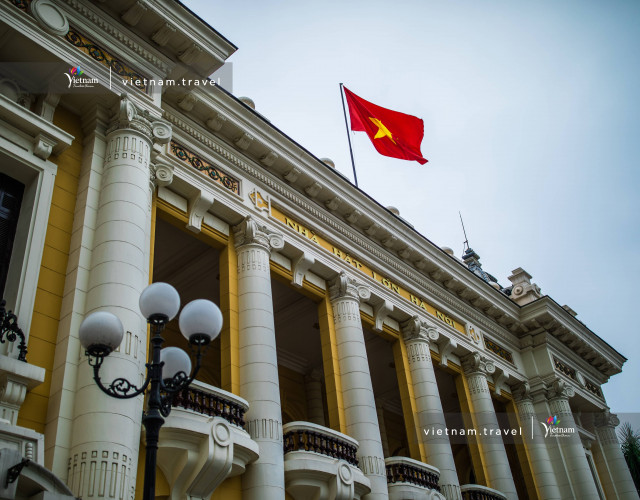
x,y
392,133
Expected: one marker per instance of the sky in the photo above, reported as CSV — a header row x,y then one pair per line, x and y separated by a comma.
x,y
532,123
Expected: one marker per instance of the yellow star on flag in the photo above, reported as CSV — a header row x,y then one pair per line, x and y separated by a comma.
x,y
382,130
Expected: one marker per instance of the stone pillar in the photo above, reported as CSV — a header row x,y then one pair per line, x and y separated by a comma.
x,y
313,386
106,431
493,454
575,458
539,460
430,416
359,403
259,385
622,483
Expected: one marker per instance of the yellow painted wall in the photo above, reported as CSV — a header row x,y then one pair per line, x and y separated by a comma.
x,y
229,346
46,312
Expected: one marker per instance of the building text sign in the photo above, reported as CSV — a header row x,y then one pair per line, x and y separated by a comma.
x,y
363,268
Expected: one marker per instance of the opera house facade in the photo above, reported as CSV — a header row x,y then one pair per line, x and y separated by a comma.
x,y
357,359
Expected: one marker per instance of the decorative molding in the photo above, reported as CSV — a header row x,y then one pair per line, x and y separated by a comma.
x,y
564,369
333,203
43,146
207,168
418,329
162,174
216,122
249,232
474,363
521,392
187,101
606,419
133,15
50,17
269,159
265,429
314,189
101,22
344,286
446,346
244,141
593,388
380,313
497,349
162,36
430,288
299,267
198,206
559,389
353,216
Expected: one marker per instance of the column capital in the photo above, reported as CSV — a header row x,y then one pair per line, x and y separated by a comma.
x,y
521,392
606,419
129,116
418,329
344,286
249,232
475,363
558,389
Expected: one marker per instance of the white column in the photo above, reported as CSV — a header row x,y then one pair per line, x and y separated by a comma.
x,y
539,460
430,416
313,386
359,402
259,385
493,454
106,431
573,452
622,482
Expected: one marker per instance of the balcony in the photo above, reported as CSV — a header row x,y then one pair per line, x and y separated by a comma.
x,y
478,492
203,441
409,479
321,463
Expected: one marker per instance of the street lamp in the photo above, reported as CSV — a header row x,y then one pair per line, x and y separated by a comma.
x,y
168,373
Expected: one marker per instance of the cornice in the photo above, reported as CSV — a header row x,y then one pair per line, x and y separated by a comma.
x,y
573,329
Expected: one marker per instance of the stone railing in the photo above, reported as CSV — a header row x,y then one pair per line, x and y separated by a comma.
x,y
478,492
213,402
407,470
305,436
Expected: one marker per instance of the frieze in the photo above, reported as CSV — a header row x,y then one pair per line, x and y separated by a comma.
x,y
564,369
205,167
498,349
593,388
287,193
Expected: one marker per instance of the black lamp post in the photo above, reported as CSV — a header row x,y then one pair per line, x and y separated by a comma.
x,y
169,371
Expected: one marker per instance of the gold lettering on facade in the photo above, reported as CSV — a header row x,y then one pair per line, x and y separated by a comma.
x,y
417,301
445,318
301,229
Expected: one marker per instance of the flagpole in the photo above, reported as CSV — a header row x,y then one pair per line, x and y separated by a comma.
x,y
344,110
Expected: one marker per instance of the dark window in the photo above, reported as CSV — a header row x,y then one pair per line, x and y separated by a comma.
x,y
10,200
